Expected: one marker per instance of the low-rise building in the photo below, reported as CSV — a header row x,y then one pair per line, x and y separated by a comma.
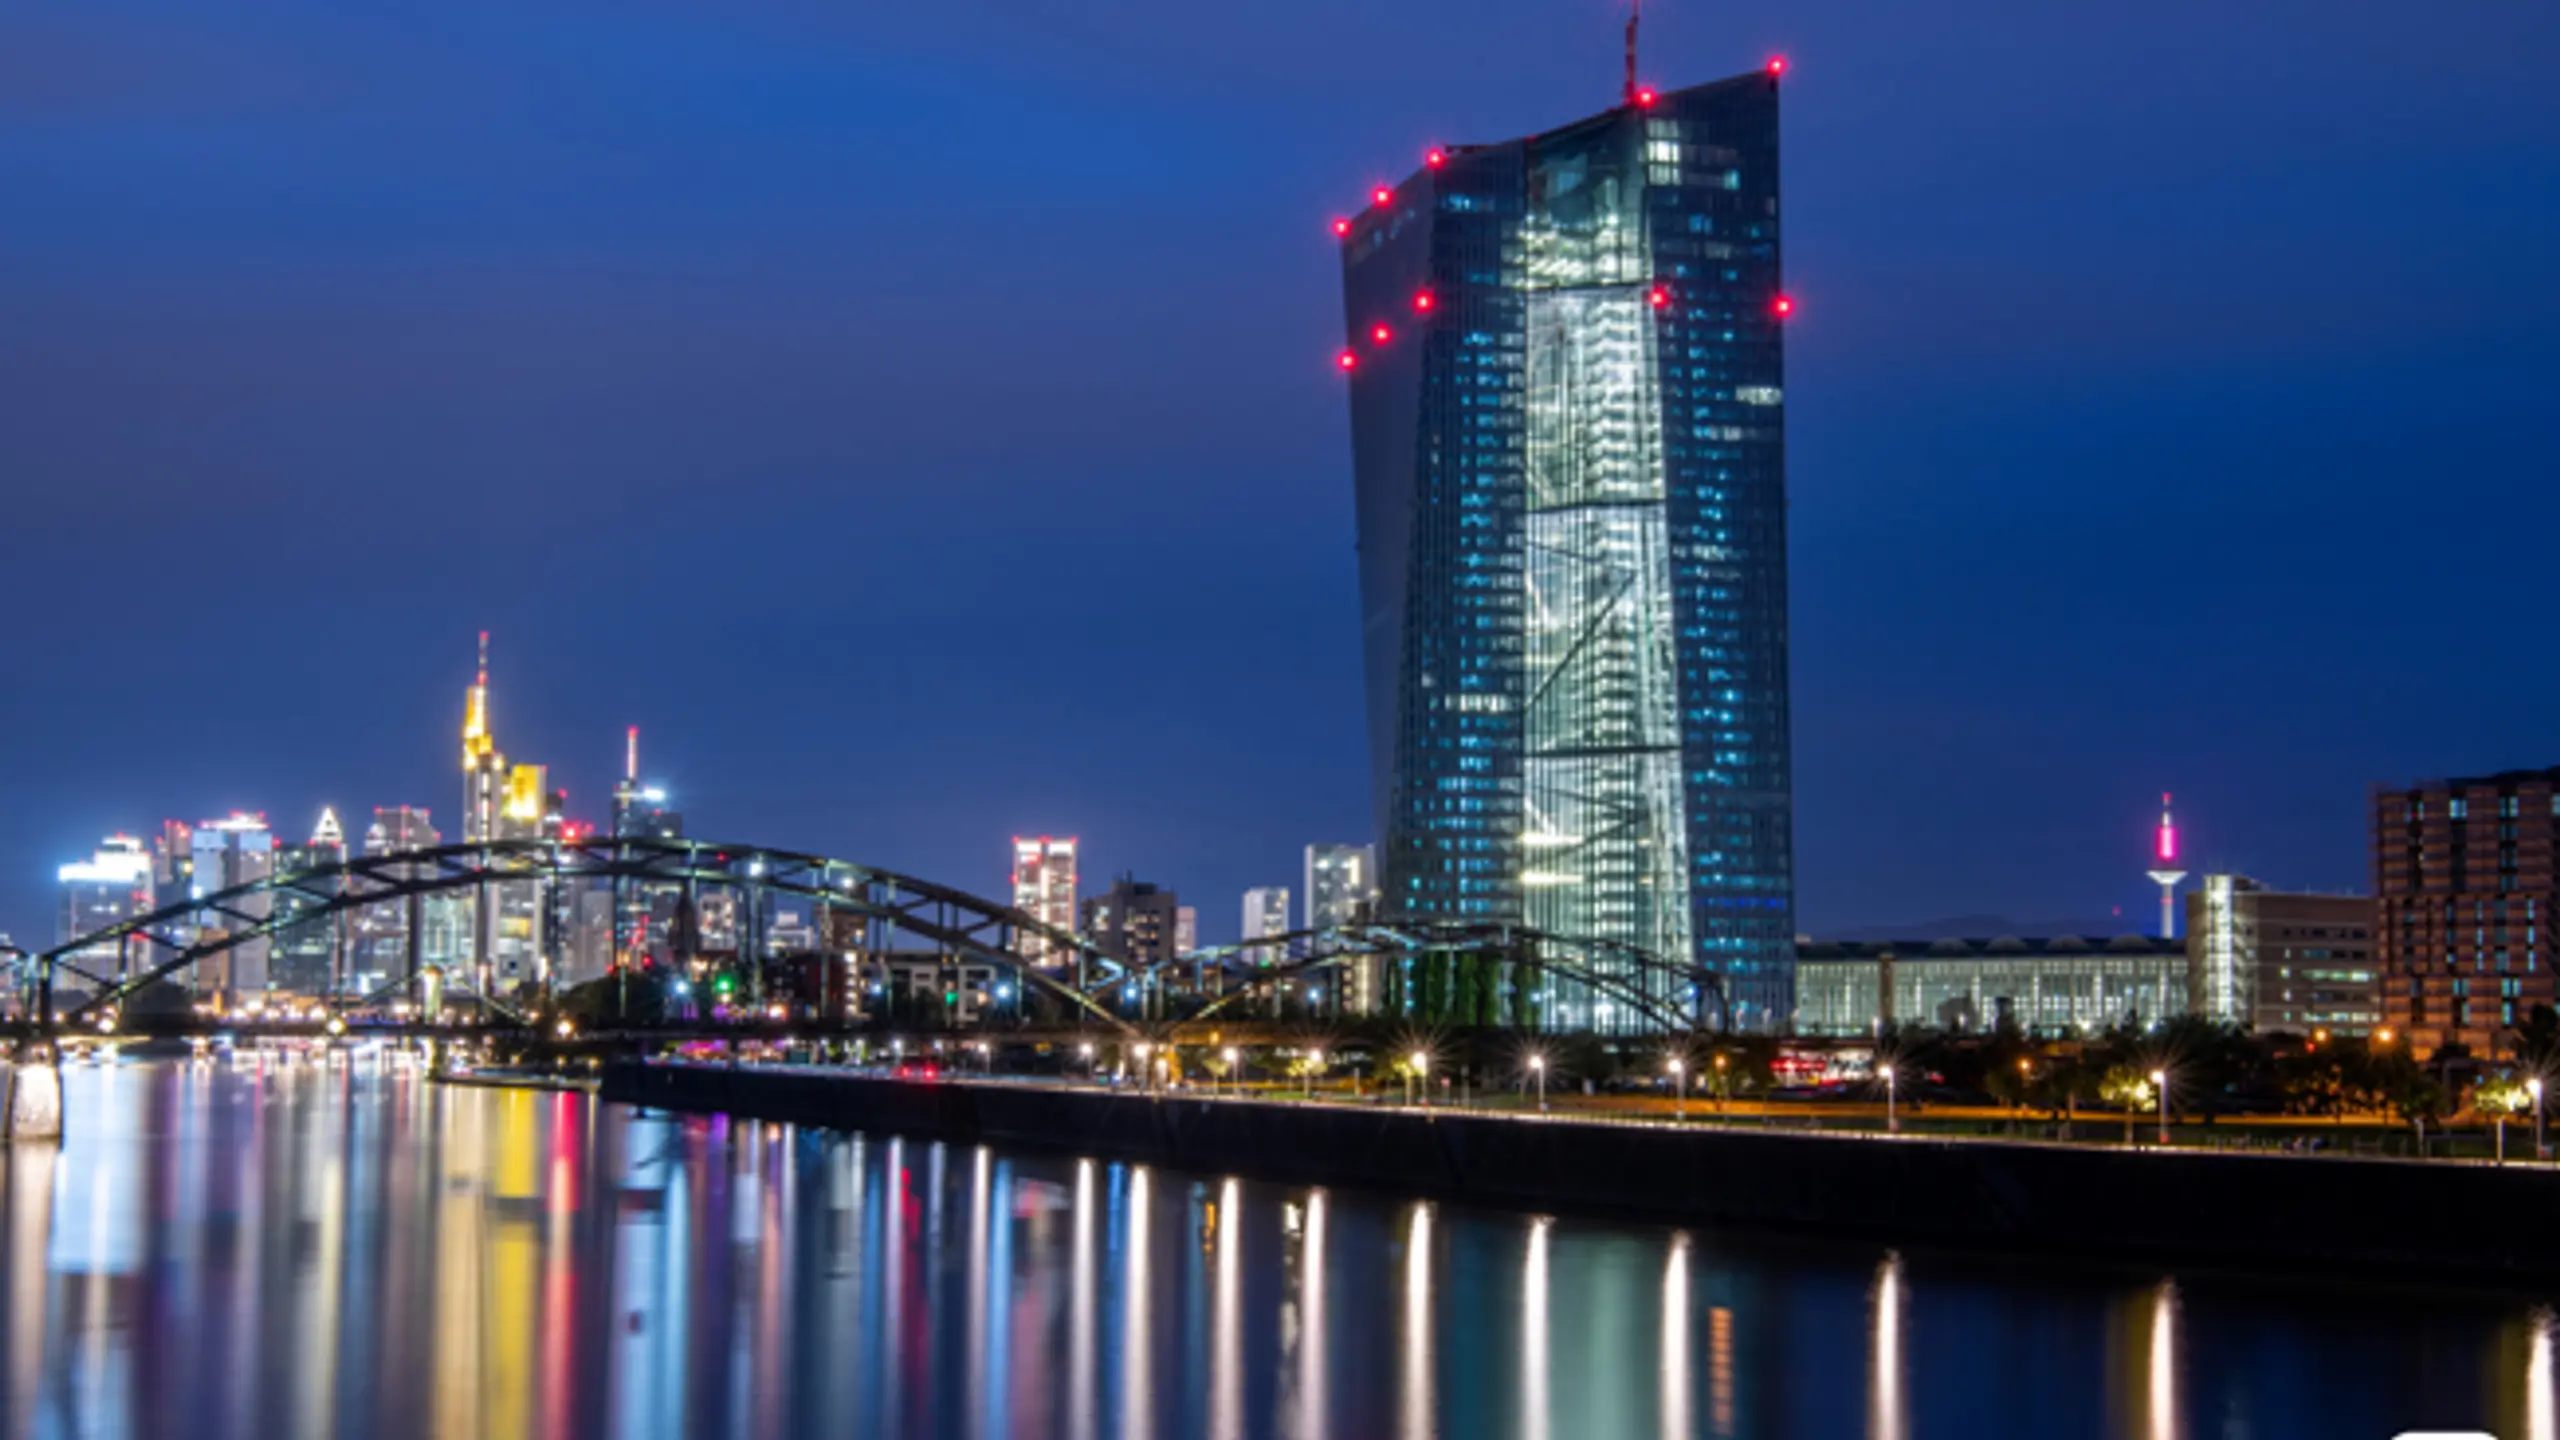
x,y
2281,962
2050,986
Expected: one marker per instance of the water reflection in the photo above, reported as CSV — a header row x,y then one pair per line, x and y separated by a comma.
x,y
1534,1361
1888,1416
270,1249
1413,1376
1675,1339
1302,1327
2539,1423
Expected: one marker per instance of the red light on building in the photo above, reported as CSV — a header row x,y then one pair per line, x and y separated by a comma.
x,y
1777,65
1645,98
1341,227
1436,158
1661,297
1381,196
1783,306
1422,302
1381,335
1346,360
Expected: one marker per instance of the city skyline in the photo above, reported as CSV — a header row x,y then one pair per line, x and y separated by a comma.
x,y
2015,369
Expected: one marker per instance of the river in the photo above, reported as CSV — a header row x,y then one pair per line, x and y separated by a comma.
x,y
266,1249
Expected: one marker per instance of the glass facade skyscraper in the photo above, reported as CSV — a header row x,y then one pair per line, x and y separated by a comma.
x,y
1567,416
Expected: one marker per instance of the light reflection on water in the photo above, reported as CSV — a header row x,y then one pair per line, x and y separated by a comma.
x,y
274,1250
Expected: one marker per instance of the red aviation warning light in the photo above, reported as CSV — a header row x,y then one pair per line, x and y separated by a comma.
x,y
2168,845
1645,97
1382,196
1783,306
1661,297
1436,157
1777,66
1422,302
1347,360
1381,335
1341,226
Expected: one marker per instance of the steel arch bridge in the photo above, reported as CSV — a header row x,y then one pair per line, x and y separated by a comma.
x,y
1516,969
1080,979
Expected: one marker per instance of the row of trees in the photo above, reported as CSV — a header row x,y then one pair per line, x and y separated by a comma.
x,y
2222,1069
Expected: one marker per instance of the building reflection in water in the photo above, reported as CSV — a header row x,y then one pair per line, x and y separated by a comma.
x,y
1303,1340
270,1249
1676,1421
1888,1407
1413,1375
1137,1385
1082,1304
1226,1316
1535,1344
27,1229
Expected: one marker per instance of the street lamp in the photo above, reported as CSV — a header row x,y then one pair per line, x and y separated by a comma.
x,y
2160,1101
1538,1072
564,1029
1234,1075
1720,1084
1892,1118
2533,1087
1315,1064
1085,1053
1421,1072
1680,1087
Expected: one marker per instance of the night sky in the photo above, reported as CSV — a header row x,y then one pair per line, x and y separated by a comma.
x,y
920,419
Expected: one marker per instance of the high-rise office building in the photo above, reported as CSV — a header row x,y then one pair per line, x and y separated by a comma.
x,y
1341,889
1266,914
2465,875
646,911
1135,922
306,954
1341,885
503,802
111,886
381,939
1044,888
2280,962
1186,929
233,851
1567,415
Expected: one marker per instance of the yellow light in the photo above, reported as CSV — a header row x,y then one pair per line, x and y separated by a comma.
x,y
524,793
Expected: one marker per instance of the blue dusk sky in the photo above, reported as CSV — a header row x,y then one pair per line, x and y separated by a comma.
x,y
920,419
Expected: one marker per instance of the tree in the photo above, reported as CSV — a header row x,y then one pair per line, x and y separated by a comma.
x,y
2499,1100
2130,1088
2537,1040
2417,1095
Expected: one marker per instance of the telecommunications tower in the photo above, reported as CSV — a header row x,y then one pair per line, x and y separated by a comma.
x,y
2165,872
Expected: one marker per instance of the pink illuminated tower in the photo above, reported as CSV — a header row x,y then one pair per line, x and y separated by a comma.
x,y
2165,872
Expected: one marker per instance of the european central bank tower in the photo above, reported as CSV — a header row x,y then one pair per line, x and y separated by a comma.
x,y
1568,422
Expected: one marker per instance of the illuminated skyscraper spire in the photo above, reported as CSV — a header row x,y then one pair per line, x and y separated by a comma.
x,y
475,713
328,832
2164,870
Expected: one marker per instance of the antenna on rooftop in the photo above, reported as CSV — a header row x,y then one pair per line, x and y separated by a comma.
x,y
1635,12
